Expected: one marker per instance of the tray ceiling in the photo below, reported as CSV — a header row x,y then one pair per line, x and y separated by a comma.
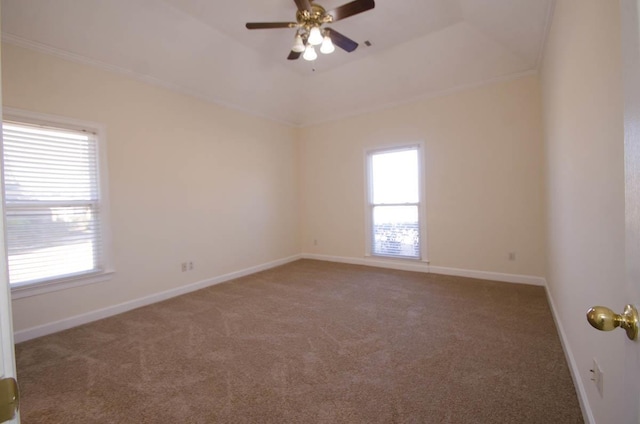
x,y
419,48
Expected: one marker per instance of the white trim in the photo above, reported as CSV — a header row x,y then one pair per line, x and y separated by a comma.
x,y
7,356
368,215
100,132
401,264
73,57
381,106
419,147
422,186
484,275
53,121
43,330
48,286
64,324
583,399
423,266
493,276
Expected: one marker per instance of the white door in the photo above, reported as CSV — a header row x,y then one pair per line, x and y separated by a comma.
x,y
631,80
629,292
7,360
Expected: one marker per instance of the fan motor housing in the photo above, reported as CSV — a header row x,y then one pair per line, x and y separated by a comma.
x,y
316,17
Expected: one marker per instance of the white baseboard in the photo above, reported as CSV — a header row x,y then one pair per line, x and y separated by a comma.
x,y
494,276
484,275
369,261
54,327
425,267
587,413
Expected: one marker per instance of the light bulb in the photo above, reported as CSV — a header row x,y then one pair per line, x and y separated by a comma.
x,y
327,45
310,53
315,36
298,45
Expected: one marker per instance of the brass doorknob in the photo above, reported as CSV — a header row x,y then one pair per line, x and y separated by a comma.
x,y
9,399
604,319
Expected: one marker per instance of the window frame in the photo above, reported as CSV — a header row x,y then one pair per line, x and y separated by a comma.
x,y
370,206
99,131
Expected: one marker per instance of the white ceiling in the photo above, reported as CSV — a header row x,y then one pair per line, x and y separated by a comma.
x,y
420,48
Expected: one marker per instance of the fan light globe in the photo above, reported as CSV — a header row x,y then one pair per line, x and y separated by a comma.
x,y
310,53
327,45
315,36
298,45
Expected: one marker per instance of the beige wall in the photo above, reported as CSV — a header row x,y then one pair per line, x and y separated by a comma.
x,y
192,181
583,125
483,169
187,180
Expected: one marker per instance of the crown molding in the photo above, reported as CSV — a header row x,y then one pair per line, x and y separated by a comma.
x,y
83,60
73,57
426,96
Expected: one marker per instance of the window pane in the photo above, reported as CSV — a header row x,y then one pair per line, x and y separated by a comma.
x,y
51,242
395,177
48,165
52,202
396,231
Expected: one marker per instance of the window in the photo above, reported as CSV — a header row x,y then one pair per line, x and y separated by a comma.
x,y
54,209
395,202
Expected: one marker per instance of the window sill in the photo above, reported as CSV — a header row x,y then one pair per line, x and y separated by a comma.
x,y
35,289
396,258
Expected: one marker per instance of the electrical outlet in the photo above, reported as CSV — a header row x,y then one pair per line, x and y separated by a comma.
x,y
512,256
315,242
184,267
190,266
597,377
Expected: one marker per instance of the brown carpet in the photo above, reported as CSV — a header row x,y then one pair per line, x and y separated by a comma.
x,y
311,342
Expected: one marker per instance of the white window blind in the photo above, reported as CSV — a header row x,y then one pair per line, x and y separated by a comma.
x,y
394,202
52,203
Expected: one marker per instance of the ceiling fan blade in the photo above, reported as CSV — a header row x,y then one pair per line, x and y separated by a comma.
x,y
269,25
342,41
303,5
294,55
350,9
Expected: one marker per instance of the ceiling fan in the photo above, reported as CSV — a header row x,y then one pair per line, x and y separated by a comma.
x,y
310,19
